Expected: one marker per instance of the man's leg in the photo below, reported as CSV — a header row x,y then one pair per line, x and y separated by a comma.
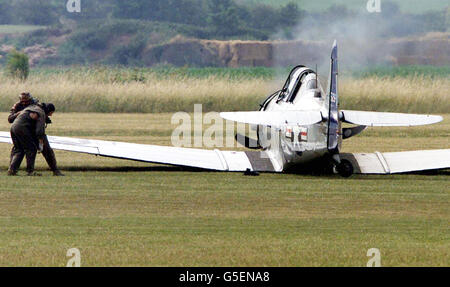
x,y
16,160
50,158
14,150
31,158
17,154
28,142
11,156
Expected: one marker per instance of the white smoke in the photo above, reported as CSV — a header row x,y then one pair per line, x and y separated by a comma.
x,y
363,40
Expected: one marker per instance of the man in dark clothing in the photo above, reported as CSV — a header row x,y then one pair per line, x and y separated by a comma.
x,y
25,100
27,132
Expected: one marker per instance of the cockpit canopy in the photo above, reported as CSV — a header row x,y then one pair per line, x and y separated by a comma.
x,y
300,76
311,84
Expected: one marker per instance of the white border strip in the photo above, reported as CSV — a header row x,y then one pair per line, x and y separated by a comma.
x,y
383,162
222,159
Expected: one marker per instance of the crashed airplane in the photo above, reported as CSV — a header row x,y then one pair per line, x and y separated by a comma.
x,y
296,127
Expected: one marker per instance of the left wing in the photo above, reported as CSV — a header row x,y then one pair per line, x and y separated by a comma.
x,y
190,157
376,119
399,162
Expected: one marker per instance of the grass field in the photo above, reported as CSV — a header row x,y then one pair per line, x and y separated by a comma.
x,y
120,213
410,6
107,74
404,72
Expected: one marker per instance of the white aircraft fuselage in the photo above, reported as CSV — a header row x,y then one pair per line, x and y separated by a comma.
x,y
301,122
297,144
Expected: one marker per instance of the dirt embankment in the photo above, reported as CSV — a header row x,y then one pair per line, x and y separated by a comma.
x,y
194,52
432,49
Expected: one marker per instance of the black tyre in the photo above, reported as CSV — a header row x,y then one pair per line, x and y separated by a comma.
x,y
345,168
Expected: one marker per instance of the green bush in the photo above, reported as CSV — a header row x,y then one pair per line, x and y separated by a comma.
x,y
17,65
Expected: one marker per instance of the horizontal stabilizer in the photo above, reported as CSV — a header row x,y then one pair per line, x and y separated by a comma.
x,y
351,132
275,118
376,119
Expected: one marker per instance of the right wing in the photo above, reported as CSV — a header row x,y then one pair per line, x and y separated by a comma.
x,y
190,157
275,118
376,119
399,162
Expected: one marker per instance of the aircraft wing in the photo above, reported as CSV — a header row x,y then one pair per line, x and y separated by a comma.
x,y
275,118
197,158
376,119
399,162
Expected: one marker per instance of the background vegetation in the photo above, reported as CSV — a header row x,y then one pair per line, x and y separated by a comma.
x,y
116,32
120,90
18,65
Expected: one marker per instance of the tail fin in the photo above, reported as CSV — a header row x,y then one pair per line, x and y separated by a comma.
x,y
333,102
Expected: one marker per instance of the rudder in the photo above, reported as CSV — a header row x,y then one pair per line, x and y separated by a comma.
x,y
333,103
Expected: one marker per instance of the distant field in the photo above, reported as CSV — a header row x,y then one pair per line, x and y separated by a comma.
x,y
411,6
13,29
117,90
107,74
404,71
122,213
125,75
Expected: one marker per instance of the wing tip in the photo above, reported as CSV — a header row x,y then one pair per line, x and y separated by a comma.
x,y
434,119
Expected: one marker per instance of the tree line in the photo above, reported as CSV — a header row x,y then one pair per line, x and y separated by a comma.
x,y
219,18
225,16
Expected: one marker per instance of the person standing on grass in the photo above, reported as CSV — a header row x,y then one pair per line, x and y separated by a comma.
x,y
25,100
27,132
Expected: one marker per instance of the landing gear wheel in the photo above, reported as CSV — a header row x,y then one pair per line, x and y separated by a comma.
x,y
345,168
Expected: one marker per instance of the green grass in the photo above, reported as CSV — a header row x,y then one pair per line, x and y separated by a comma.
x,y
410,6
14,29
121,213
404,71
226,73
105,74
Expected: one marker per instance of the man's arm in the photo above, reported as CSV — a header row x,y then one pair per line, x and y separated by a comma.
x,y
41,145
13,113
